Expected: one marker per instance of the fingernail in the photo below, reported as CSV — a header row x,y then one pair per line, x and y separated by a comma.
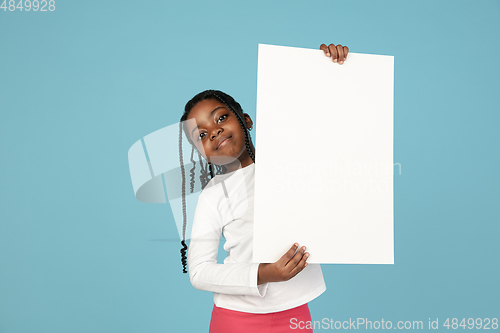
x,y
295,245
334,60
305,264
328,54
307,255
341,62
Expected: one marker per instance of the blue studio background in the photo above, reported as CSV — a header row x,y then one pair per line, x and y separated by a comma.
x,y
81,84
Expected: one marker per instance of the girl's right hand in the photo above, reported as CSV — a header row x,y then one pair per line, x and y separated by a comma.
x,y
285,268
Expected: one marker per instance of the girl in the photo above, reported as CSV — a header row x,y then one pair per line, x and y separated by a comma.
x,y
248,297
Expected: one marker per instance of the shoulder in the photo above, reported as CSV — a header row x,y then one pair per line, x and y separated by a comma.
x,y
229,186
207,216
213,191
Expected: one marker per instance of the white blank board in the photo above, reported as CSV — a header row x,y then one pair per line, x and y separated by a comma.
x,y
324,156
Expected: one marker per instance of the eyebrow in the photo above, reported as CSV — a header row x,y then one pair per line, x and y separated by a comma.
x,y
211,113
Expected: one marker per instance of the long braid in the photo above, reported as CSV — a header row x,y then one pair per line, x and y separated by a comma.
x,y
219,170
184,215
203,173
211,169
191,183
236,109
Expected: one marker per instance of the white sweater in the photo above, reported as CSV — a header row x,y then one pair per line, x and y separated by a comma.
x,y
225,207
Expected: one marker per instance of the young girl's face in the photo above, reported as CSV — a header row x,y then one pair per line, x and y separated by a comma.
x,y
218,135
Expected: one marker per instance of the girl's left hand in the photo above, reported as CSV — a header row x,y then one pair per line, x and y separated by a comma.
x,y
337,52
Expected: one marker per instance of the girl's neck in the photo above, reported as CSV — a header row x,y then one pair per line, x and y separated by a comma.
x,y
244,161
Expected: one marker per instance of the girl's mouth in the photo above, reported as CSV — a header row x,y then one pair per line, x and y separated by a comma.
x,y
223,143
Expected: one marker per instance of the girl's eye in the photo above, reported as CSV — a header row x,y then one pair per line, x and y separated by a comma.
x,y
221,118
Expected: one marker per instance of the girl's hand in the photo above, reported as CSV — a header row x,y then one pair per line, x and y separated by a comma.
x,y
285,268
338,53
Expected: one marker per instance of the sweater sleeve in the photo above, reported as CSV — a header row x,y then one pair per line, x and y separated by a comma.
x,y
204,271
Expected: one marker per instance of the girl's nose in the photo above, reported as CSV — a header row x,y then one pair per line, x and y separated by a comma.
x,y
216,133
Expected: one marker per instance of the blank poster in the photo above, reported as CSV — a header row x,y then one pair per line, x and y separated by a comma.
x,y
324,156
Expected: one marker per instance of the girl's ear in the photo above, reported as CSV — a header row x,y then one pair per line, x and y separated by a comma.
x,y
248,120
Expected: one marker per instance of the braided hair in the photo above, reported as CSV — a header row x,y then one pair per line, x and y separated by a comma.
x,y
236,109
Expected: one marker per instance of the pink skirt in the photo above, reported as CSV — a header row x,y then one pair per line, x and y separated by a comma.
x,y
230,321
